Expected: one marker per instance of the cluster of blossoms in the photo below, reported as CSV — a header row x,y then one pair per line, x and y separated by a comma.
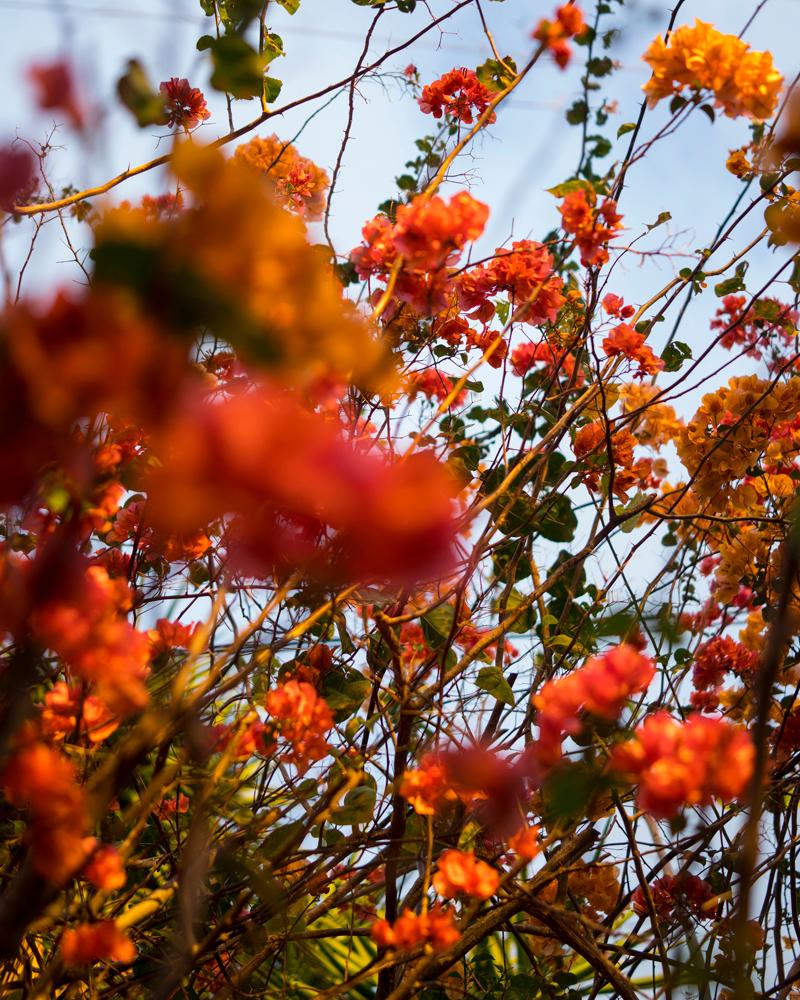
x,y
303,719
690,763
184,106
525,273
555,35
424,242
555,362
719,656
591,445
88,943
592,225
460,873
748,421
673,895
301,494
701,58
601,688
767,323
435,927
301,185
458,94
624,341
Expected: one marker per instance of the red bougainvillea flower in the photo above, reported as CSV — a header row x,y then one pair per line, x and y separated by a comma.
x,y
87,626
89,943
184,105
672,893
555,34
433,384
458,94
555,361
303,719
437,928
17,176
601,687
719,656
56,90
615,306
461,873
690,763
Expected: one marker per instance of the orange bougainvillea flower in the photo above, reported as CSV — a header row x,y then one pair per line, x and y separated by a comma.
x,y
301,184
626,342
429,231
44,781
303,719
701,58
592,226
89,630
458,94
461,873
65,705
184,105
168,635
601,687
103,941
556,363
433,384
436,927
690,763
428,787
568,23
525,842
105,868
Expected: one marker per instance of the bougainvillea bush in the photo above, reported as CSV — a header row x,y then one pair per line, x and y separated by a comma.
x,y
415,617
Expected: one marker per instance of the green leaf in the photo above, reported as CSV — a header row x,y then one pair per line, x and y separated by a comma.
x,y
496,75
437,624
734,283
344,690
708,110
662,218
600,66
491,680
139,96
794,278
272,88
577,113
625,128
675,354
238,69
358,806
557,522
560,190
290,6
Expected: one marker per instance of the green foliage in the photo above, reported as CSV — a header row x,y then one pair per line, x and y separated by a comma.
x,y
140,97
238,69
491,680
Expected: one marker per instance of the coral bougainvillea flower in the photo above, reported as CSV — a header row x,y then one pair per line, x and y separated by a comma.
x,y
436,927
458,94
690,763
303,719
461,873
568,23
102,941
17,175
601,687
